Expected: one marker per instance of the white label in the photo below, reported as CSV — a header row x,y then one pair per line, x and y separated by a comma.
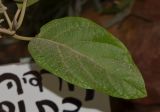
x,y
27,88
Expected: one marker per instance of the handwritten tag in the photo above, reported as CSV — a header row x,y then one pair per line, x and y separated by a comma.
x,y
28,88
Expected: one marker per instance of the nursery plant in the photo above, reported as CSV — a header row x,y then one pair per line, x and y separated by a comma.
x,y
80,52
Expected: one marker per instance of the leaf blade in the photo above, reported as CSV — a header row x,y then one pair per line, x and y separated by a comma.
x,y
110,70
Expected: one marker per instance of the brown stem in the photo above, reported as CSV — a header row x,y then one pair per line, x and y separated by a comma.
x,y
14,35
22,14
22,37
6,15
6,31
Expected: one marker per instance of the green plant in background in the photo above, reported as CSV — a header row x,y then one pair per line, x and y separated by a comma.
x,y
82,53
120,9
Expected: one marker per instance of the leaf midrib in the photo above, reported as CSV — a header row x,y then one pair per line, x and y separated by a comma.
x,y
65,46
74,51
79,53
90,59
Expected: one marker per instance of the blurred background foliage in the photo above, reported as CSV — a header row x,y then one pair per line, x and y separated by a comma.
x,y
42,11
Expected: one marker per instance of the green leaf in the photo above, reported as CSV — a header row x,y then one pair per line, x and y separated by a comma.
x,y
29,3
83,53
